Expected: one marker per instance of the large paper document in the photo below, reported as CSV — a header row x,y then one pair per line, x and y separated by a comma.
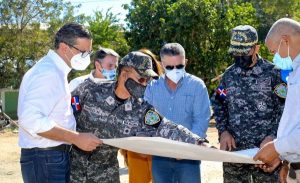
x,y
174,149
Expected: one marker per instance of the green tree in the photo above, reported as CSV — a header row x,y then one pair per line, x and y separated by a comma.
x,y
201,26
26,31
107,32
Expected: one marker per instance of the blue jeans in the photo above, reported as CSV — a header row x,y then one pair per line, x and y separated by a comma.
x,y
49,166
170,170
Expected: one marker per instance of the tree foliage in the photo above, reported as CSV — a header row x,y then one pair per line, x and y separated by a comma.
x,y
202,26
27,28
107,32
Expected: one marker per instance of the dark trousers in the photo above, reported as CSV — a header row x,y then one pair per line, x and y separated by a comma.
x,y
170,170
49,166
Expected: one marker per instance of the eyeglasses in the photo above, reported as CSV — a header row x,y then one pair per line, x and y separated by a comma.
x,y
171,67
83,53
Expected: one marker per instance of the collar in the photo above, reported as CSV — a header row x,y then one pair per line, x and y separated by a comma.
x,y
256,69
59,62
96,80
296,62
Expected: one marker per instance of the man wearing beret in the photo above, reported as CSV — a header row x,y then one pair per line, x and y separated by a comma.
x,y
113,109
247,105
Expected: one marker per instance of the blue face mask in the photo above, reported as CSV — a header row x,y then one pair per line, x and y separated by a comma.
x,y
283,63
109,74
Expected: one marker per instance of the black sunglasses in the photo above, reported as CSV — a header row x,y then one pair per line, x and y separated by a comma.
x,y
171,67
83,53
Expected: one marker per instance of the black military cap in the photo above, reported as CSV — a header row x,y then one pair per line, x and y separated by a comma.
x,y
243,38
141,62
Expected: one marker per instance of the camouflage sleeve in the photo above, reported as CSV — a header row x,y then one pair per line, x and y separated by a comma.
x,y
220,108
279,88
156,125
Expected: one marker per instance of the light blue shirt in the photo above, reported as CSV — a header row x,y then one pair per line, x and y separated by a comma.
x,y
188,105
287,143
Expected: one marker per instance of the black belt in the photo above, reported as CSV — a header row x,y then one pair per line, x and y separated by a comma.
x,y
62,147
295,166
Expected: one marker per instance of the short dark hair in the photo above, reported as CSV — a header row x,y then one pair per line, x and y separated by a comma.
x,y
69,33
103,52
172,49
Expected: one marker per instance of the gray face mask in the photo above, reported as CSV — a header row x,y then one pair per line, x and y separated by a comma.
x,y
134,88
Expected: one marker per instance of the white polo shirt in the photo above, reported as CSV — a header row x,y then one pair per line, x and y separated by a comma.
x,y
44,101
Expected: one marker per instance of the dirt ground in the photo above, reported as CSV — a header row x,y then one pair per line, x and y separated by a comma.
x,y
211,172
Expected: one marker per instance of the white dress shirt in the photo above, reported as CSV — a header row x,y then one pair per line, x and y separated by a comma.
x,y
77,81
44,101
287,143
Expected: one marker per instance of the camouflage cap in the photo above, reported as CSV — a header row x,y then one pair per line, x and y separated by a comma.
x,y
243,38
141,62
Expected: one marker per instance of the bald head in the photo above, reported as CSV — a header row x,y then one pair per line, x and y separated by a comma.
x,y
284,38
283,26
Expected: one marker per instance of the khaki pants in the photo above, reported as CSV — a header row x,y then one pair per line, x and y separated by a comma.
x,y
139,167
297,180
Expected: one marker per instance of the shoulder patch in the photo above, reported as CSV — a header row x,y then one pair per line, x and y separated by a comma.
x,y
75,103
221,93
152,118
281,90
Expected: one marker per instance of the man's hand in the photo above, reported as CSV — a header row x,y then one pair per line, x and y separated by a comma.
x,y
227,142
267,154
266,140
270,167
87,141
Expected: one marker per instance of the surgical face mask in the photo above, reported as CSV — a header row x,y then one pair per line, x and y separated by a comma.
x,y
283,63
79,63
175,74
134,88
109,74
243,61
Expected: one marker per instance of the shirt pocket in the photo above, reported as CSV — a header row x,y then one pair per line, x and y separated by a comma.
x,y
188,104
293,89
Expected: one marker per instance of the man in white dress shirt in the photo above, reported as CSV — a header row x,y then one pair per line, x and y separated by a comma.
x,y
105,63
47,124
283,40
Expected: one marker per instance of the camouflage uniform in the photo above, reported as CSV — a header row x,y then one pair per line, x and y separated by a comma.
x,y
107,116
249,110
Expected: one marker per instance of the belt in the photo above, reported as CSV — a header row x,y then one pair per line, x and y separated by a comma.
x,y
295,166
62,147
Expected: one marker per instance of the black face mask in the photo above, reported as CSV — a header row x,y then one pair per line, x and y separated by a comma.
x,y
134,88
243,61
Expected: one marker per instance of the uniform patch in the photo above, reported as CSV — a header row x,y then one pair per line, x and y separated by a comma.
x,y
221,93
110,100
281,90
75,103
262,106
128,106
152,118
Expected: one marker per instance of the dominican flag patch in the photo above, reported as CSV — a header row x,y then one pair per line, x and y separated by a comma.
x,y
75,103
221,93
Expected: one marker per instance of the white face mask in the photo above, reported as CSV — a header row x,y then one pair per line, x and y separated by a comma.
x,y
79,63
175,74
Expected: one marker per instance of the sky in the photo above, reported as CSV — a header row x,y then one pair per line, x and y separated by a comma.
x,y
89,6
